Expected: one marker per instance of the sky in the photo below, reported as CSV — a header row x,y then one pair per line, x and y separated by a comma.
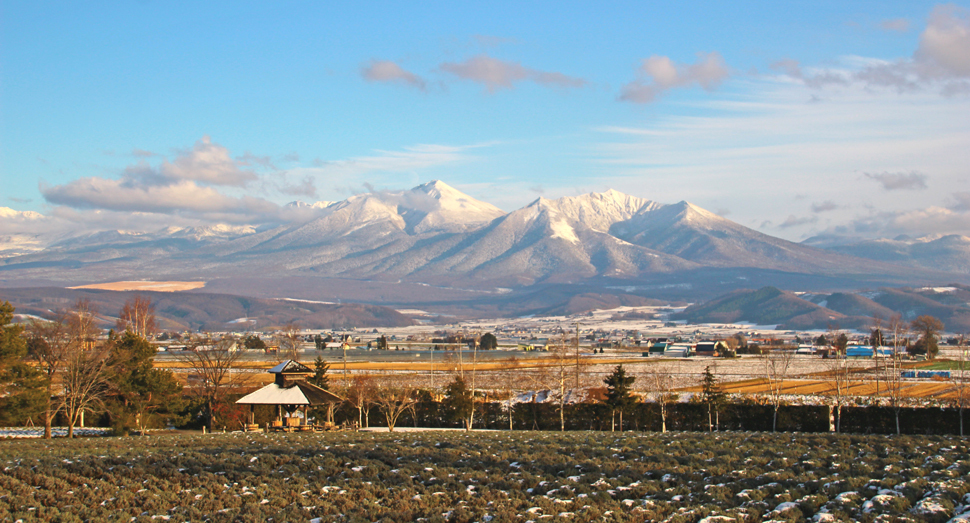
x,y
794,118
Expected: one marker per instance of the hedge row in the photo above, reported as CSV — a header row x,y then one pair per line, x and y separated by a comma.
x,y
680,417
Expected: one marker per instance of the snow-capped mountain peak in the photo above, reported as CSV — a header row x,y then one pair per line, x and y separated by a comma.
x,y
7,212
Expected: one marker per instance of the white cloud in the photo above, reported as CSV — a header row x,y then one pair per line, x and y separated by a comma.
x,y
180,197
208,163
941,62
497,74
946,41
915,222
190,185
387,71
205,185
659,74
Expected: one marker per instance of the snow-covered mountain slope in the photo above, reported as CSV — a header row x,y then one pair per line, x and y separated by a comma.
x,y
437,206
438,235
692,233
599,211
949,253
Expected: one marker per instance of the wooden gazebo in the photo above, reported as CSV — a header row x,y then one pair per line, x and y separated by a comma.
x,y
290,392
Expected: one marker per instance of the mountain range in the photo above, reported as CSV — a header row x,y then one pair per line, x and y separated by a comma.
x,y
436,245
847,310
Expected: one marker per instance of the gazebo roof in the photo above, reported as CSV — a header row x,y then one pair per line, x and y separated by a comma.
x,y
291,367
299,393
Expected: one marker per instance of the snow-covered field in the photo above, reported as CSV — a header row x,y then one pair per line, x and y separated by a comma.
x,y
57,432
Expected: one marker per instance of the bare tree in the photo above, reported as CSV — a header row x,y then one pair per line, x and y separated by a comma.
x,y
393,395
84,379
839,371
538,378
509,378
138,316
85,383
288,339
776,364
49,342
894,380
561,369
961,380
212,364
471,414
360,394
660,382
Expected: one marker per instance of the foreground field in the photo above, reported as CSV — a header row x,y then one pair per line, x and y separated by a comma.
x,y
490,476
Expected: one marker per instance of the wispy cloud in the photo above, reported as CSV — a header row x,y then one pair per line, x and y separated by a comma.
x,y
388,71
769,133
896,25
827,205
899,181
659,74
489,41
793,221
497,74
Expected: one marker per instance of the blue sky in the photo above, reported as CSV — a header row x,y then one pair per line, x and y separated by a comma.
x,y
794,118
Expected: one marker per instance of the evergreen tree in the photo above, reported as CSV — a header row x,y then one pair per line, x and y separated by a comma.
x,y
489,341
22,387
841,342
459,401
320,378
138,390
254,342
712,395
876,338
619,397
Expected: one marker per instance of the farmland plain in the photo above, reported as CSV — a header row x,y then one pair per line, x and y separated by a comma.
x,y
487,476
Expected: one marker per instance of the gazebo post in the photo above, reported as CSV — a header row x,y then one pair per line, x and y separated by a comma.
x,y
252,414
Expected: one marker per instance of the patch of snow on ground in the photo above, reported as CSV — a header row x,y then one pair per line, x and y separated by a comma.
x,y
57,432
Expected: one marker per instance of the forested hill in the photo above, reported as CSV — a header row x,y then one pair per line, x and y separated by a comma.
x,y
178,311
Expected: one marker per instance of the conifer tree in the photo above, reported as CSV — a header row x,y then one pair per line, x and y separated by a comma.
x,y
619,396
21,385
712,396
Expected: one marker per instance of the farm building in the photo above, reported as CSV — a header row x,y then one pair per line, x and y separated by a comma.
x,y
658,348
710,348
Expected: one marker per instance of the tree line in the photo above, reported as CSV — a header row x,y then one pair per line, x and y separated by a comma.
x,y
64,370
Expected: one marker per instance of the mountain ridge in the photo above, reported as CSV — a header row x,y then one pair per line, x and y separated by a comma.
x,y
436,235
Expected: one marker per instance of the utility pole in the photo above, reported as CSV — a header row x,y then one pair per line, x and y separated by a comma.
x,y
577,356
471,417
344,346
461,363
